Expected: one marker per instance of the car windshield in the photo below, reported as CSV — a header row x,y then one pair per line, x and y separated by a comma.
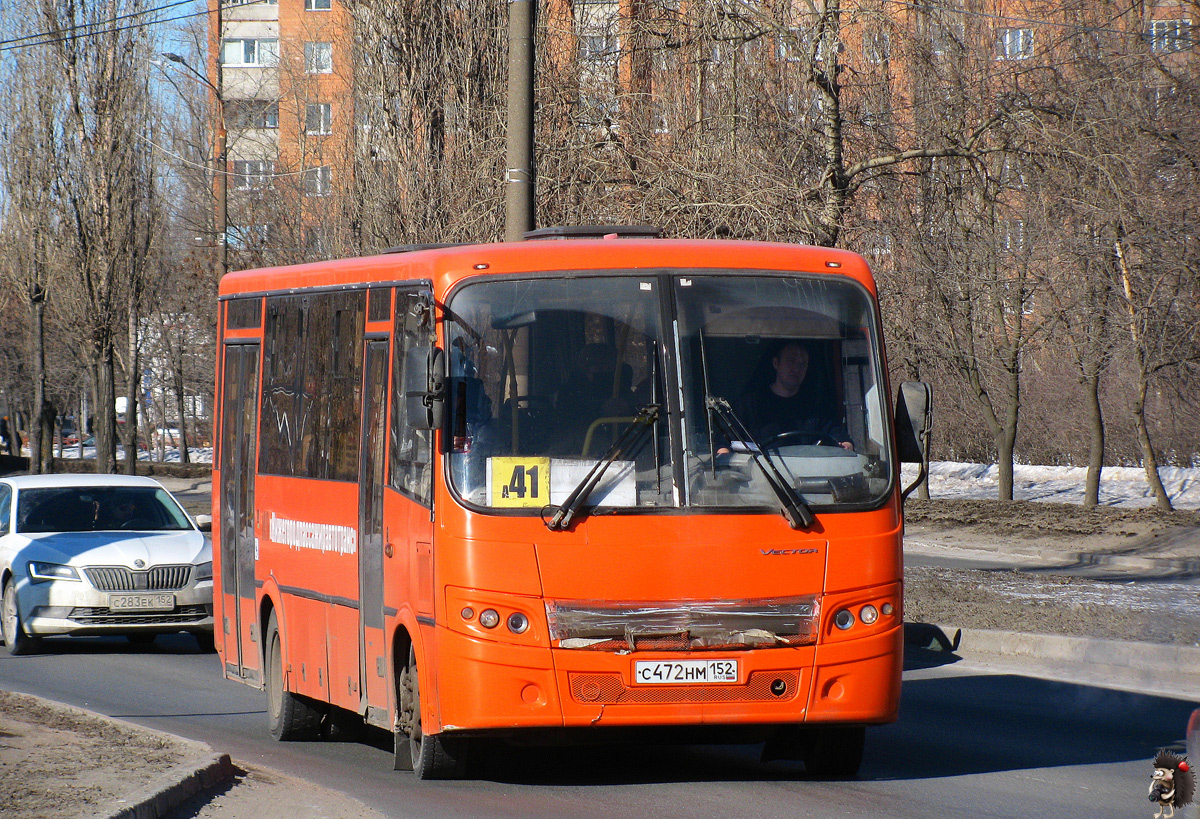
x,y
98,509
652,388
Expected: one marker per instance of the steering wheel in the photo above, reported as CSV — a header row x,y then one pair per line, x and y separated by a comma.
x,y
795,437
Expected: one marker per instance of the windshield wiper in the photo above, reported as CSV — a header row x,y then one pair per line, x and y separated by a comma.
x,y
794,510
626,441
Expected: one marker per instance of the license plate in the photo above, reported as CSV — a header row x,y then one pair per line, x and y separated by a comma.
x,y
684,672
141,602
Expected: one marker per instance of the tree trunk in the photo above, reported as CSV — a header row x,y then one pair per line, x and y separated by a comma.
x,y
132,387
1149,459
37,314
1095,417
180,408
106,424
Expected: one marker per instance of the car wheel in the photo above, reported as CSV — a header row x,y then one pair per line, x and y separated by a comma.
x,y
15,638
431,756
289,716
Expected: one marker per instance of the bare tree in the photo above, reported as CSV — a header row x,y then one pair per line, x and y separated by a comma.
x,y
103,185
29,111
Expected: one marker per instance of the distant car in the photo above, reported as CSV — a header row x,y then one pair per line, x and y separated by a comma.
x,y
100,554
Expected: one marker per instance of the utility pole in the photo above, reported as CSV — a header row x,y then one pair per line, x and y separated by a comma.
x,y
222,159
519,176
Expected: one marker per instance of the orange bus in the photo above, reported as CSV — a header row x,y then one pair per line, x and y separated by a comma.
x,y
523,490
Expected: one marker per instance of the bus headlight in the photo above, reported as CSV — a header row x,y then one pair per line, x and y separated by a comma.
x,y
868,614
489,618
517,622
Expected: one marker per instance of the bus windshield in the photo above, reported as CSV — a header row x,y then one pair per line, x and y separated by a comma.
x,y
698,389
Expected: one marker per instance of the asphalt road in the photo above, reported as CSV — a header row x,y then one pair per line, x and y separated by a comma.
x,y
997,745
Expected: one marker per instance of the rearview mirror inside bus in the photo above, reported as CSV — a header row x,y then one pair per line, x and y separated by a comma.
x,y
914,419
424,387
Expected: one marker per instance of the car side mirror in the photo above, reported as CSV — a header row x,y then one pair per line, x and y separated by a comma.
x,y
204,523
424,387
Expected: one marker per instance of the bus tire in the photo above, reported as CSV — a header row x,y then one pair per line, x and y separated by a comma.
x,y
430,756
835,751
16,640
289,716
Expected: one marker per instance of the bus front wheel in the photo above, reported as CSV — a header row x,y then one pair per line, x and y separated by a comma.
x,y
289,716
429,756
834,751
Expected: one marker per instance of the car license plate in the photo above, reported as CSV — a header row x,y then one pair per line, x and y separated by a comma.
x,y
684,672
141,602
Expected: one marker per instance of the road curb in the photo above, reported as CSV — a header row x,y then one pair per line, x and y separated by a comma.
x,y
1146,666
202,769
172,789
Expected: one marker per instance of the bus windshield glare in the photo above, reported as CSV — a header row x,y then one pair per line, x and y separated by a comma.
x,y
752,381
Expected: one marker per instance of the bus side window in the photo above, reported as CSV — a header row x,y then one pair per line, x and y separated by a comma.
x,y
411,448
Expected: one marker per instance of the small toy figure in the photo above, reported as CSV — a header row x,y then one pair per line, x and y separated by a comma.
x,y
1172,785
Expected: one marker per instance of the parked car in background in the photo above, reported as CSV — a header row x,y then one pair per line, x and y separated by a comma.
x,y
100,554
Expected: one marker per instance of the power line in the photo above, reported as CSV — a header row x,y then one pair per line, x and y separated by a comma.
x,y
48,37
116,19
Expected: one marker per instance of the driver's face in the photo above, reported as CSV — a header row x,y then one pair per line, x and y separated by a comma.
x,y
791,365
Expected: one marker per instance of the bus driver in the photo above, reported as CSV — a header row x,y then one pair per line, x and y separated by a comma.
x,y
783,406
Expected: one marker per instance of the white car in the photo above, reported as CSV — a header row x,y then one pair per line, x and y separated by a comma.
x,y
100,554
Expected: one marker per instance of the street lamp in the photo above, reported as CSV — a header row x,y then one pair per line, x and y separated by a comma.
x,y
220,159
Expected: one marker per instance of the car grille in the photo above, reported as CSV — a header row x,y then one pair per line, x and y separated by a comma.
x,y
119,578
101,616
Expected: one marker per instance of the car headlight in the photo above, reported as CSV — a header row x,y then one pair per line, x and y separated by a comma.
x,y
42,572
204,571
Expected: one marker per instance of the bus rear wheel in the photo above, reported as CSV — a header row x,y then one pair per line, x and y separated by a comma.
x,y
289,716
429,756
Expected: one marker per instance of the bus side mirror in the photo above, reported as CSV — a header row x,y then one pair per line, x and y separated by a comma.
x,y
914,420
424,387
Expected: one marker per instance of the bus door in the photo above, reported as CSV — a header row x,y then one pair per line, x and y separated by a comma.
x,y
238,547
372,655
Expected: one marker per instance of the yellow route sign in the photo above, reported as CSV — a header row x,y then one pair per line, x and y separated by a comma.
x,y
519,482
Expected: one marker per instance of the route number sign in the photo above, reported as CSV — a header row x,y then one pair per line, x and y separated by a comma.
x,y
519,482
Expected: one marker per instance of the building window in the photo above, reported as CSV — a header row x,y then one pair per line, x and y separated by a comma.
x,y
1165,36
318,118
244,114
318,58
250,51
318,5
1015,43
252,174
315,242
317,181
1012,235
946,37
877,47
244,237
